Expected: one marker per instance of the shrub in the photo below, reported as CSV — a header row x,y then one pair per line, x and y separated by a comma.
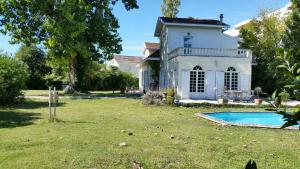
x,y
118,80
170,96
153,98
35,59
13,76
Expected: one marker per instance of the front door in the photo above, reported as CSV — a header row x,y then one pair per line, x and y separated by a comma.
x,y
197,83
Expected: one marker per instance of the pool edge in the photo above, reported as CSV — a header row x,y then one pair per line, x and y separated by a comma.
x,y
226,123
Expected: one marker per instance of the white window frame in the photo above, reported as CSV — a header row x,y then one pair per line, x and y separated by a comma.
x,y
231,77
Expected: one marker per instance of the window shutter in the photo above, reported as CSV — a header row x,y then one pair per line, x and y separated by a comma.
x,y
220,82
245,82
141,79
185,84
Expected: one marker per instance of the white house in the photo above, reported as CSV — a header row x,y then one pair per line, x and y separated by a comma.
x,y
147,80
199,61
126,63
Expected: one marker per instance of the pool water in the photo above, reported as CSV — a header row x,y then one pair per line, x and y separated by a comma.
x,y
250,118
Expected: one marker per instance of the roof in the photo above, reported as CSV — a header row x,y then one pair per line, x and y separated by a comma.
x,y
192,21
156,54
152,45
153,56
188,22
128,59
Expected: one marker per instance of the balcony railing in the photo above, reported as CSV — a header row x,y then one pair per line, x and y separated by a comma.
x,y
210,52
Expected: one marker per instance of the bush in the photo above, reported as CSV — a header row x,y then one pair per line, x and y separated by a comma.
x,y
170,96
153,98
35,59
118,80
13,76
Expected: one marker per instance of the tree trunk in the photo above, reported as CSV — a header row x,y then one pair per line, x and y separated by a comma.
x,y
72,72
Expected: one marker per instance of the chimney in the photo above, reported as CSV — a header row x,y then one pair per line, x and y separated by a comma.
x,y
221,18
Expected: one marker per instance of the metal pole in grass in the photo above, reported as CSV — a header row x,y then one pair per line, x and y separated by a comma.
x,y
50,111
54,103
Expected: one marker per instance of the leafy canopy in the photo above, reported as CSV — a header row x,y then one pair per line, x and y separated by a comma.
x,y
35,59
169,8
13,75
69,29
263,36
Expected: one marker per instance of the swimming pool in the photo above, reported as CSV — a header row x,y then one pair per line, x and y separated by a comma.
x,y
254,119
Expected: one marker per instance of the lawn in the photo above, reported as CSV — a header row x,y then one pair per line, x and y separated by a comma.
x,y
89,132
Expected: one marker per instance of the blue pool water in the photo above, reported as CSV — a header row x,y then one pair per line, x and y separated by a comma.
x,y
250,118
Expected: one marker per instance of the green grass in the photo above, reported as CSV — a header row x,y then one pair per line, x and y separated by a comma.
x,y
89,132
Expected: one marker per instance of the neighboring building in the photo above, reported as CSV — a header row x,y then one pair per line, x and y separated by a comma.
x,y
198,60
280,13
126,63
147,80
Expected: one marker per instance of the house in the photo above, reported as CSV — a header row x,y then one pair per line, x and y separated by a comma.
x,y
148,80
198,60
126,63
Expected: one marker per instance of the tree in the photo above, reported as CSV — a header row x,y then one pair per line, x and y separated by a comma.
x,y
169,8
289,63
291,39
71,30
263,36
35,59
13,75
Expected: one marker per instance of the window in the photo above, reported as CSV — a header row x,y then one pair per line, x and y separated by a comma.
x,y
231,79
188,41
197,80
187,44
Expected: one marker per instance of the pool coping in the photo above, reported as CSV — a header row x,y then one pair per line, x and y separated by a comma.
x,y
226,123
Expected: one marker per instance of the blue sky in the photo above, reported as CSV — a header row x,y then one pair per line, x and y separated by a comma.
x,y
137,26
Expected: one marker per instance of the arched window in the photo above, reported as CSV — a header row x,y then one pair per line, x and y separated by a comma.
x,y
197,79
231,79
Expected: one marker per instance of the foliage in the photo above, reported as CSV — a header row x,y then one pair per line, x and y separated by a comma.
x,y
155,68
153,98
258,90
169,8
291,40
13,76
35,59
170,96
263,36
73,31
288,62
118,80
59,72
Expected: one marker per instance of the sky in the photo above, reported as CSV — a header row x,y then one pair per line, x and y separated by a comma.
x,y
137,26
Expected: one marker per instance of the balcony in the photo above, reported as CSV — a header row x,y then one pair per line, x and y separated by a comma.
x,y
211,52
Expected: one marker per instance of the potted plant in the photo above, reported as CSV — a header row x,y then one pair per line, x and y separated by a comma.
x,y
258,101
223,100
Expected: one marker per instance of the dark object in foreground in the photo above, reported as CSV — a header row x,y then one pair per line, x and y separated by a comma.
x,y
251,165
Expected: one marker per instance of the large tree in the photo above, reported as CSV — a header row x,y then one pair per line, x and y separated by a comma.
x,y
291,39
263,36
35,59
71,30
169,8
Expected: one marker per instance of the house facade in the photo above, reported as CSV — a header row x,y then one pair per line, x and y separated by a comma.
x,y
126,63
199,61
147,79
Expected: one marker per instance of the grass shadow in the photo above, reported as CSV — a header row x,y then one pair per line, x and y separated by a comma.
x,y
12,119
29,104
